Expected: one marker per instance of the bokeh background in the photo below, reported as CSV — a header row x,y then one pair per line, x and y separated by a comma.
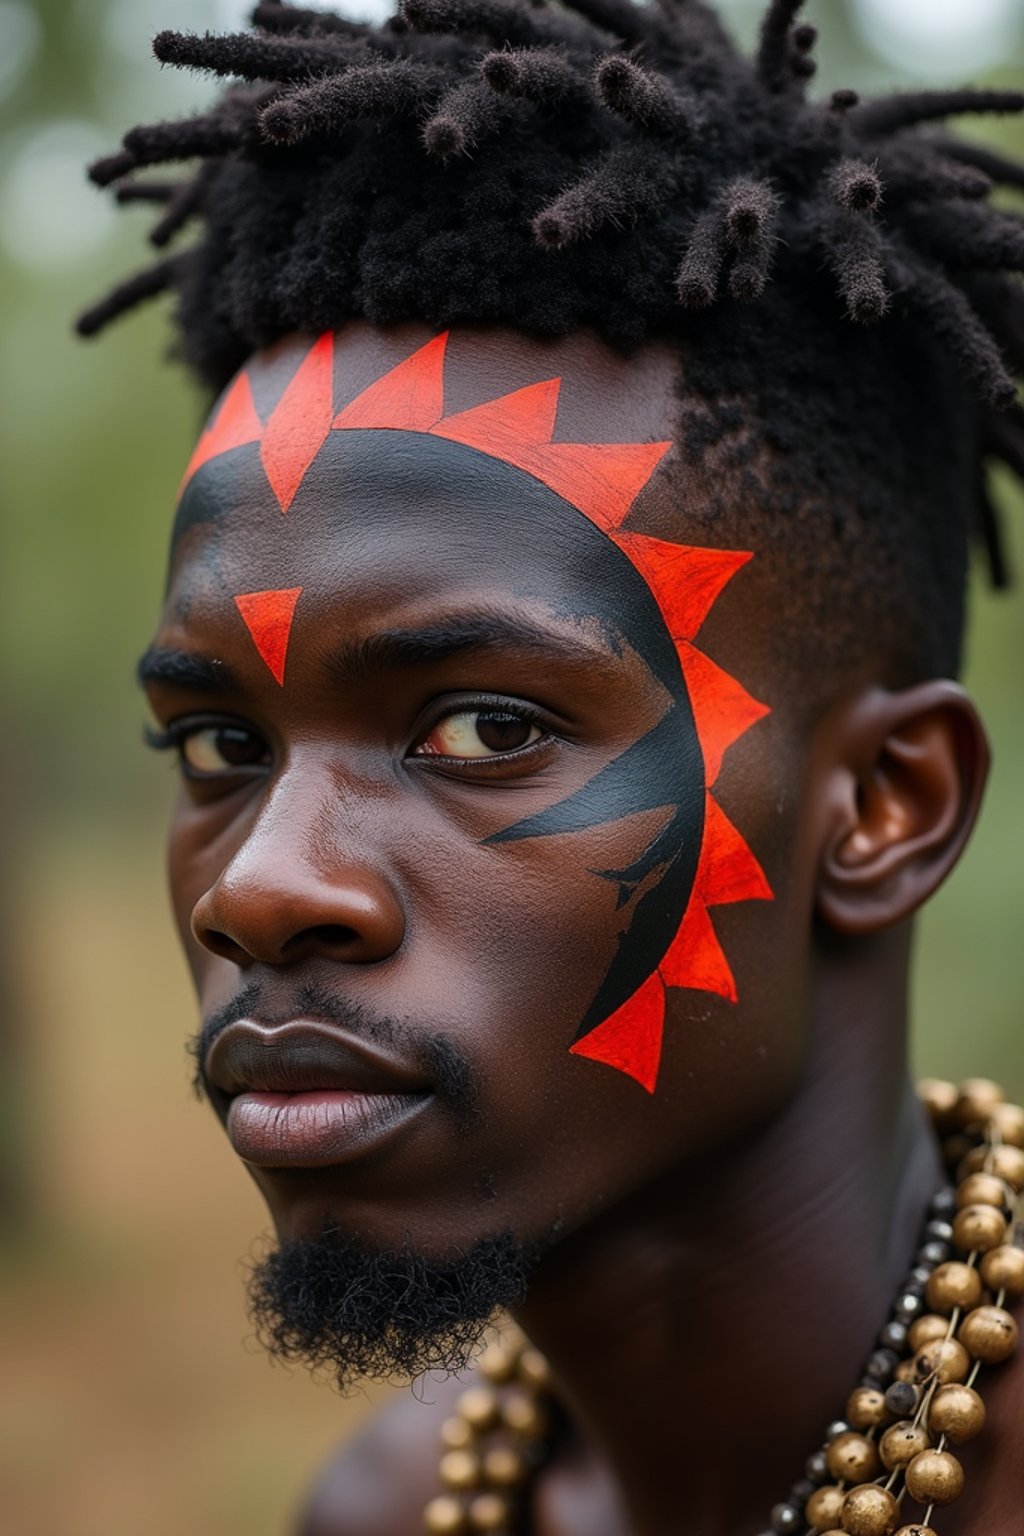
x,y
132,1399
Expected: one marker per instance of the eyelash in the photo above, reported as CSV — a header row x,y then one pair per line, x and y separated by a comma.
x,y
172,738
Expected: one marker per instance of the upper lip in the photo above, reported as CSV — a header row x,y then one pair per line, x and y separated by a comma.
x,y
303,1055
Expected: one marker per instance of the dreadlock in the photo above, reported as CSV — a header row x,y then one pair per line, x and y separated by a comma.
x,y
847,303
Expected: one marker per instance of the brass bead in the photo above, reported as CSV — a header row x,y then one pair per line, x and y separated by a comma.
x,y
478,1406
456,1434
945,1358
924,1330
504,1466
824,1507
869,1511
978,1098
444,1517
935,1477
906,1371
522,1413
488,1512
1007,1163
957,1412
534,1369
902,1442
989,1334
460,1469
496,1363
866,1407
852,1458
1008,1121
981,1189
915,1530
977,1228
953,1285
939,1098
1002,1269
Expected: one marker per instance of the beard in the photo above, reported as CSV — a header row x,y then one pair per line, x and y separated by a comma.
x,y
358,1313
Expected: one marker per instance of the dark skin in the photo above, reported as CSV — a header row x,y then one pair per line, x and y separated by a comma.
x,y
728,1245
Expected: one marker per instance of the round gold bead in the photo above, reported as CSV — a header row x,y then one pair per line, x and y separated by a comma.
x,y
1007,1163
977,1228
478,1406
935,1477
456,1434
902,1442
957,1412
824,1507
915,1530
939,1098
852,1458
522,1413
906,1371
981,1189
460,1470
869,1511
504,1466
1002,1269
953,1285
533,1368
945,1358
978,1098
924,1330
444,1516
496,1363
488,1512
866,1407
1008,1121
989,1334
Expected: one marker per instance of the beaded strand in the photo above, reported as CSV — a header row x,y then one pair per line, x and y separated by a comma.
x,y
917,1396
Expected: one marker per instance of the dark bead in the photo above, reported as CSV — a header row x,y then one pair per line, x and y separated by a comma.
x,y
893,1336
944,1202
837,1427
938,1232
801,1491
901,1399
933,1253
816,1467
786,1517
907,1308
882,1364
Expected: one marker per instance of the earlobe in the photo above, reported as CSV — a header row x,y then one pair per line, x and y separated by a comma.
x,y
907,772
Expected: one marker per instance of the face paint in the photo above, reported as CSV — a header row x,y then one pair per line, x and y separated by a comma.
x,y
697,859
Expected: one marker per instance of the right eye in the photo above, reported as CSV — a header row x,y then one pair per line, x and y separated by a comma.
x,y
213,751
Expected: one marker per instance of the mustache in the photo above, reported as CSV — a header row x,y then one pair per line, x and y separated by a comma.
x,y
435,1054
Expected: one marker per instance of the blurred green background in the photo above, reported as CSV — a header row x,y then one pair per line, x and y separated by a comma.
x,y
132,1399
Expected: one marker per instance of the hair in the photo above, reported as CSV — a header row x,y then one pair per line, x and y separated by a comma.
x,y
845,298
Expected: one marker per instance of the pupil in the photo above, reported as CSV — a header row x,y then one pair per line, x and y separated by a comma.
x,y
238,747
502,733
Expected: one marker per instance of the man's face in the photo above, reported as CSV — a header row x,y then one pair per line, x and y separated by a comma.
x,y
444,801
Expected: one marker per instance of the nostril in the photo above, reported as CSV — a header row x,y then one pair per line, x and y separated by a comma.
x,y
328,936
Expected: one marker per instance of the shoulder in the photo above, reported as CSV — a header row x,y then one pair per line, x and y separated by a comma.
x,y
379,1484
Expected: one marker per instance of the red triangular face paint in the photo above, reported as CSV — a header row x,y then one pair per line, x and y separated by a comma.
x,y
630,1038
268,618
300,422
235,424
408,399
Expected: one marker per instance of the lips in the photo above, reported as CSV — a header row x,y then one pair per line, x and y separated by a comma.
x,y
307,1095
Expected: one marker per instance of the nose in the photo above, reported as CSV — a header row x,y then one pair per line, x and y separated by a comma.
x,y
291,893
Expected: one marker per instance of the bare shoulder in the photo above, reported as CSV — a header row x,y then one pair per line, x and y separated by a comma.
x,y
379,1484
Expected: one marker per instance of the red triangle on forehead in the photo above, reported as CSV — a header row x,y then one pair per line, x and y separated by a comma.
x,y
506,424
235,424
268,618
300,422
685,580
409,398
630,1038
601,479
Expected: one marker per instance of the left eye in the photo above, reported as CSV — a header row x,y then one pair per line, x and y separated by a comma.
x,y
220,748
479,733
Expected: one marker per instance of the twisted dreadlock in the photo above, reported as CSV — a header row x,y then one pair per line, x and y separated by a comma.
x,y
847,302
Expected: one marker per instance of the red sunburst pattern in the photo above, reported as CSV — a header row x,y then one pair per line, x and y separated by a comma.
x,y
602,480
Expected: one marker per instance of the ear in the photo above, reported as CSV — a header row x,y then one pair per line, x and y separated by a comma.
x,y
905,783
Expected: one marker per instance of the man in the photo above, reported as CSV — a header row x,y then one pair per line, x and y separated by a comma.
x,y
564,609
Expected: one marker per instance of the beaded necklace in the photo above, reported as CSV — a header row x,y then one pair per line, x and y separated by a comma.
x,y
918,1394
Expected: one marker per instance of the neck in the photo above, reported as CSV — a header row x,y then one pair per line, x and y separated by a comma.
x,y
704,1334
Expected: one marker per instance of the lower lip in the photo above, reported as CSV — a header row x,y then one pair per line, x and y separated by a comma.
x,y
315,1129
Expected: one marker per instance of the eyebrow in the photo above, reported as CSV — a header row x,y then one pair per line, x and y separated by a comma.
x,y
184,669
394,649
